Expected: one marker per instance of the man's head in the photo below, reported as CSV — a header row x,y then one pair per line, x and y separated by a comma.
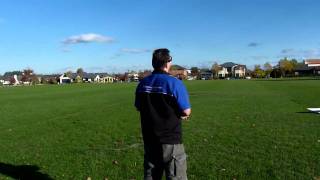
x,y
161,59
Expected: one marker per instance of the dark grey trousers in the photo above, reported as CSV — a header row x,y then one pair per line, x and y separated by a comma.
x,y
168,158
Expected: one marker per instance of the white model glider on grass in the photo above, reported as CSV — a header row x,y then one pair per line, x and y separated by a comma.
x,y
315,110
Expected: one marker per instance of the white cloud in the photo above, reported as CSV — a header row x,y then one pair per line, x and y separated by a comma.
x,y
134,50
306,53
87,38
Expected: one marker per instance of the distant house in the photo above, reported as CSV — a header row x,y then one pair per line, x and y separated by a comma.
x,y
312,62
88,77
144,74
5,81
1,80
97,79
135,77
120,77
240,71
77,78
107,79
304,70
50,79
230,69
206,75
179,72
132,77
11,80
310,67
103,78
64,79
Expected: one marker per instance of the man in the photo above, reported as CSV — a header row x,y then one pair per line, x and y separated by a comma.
x,y
163,102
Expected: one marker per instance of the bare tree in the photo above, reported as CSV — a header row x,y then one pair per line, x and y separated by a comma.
x,y
12,80
27,75
215,69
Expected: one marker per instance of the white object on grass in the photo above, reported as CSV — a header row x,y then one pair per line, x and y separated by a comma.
x,y
316,110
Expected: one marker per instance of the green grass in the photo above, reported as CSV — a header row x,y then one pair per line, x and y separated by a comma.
x,y
239,129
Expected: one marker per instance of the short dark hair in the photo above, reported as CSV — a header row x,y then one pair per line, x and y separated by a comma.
x,y
160,57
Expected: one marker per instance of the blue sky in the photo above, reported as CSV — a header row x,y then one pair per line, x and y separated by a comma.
x,y
53,36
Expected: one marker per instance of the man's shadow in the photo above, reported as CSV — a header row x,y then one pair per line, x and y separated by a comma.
x,y
23,172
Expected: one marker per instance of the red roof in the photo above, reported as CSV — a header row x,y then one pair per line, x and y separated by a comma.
x,y
312,61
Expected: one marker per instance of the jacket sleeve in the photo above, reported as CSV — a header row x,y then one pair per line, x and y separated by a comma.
x,y
182,96
137,100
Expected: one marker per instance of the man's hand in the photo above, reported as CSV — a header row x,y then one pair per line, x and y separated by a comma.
x,y
184,118
186,114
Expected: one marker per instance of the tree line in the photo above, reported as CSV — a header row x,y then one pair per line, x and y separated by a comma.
x,y
284,68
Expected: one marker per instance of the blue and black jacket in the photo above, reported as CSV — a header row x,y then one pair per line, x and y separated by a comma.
x,y
161,99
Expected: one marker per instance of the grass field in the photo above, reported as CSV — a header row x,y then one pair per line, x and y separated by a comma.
x,y
238,130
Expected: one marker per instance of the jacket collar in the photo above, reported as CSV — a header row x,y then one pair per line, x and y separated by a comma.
x,y
159,72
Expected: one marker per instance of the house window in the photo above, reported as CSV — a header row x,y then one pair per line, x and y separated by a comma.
x,y
66,81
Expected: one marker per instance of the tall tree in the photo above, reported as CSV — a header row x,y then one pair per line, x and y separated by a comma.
x,y
294,62
194,71
27,75
286,66
267,68
35,80
11,73
176,67
68,73
215,69
12,80
258,72
28,72
80,72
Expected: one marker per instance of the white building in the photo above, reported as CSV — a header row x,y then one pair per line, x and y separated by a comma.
x,y
133,77
312,62
97,78
230,69
64,79
103,78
